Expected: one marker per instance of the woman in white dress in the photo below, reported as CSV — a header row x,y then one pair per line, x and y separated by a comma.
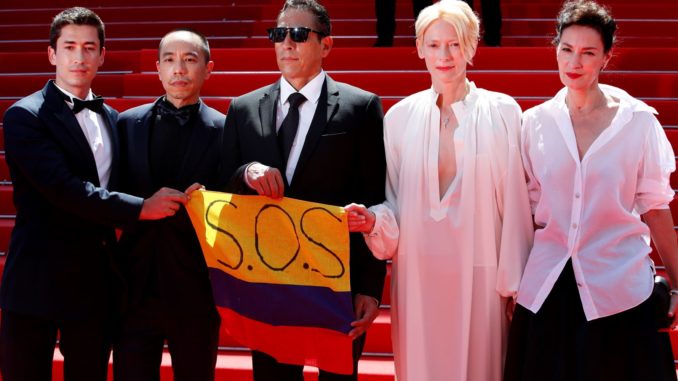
x,y
456,221
597,161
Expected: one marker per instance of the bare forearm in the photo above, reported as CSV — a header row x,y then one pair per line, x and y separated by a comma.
x,y
660,223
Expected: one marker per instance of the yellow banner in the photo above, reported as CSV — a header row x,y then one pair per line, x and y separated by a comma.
x,y
261,240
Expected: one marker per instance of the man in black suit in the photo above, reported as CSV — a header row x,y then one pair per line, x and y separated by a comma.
x,y
174,142
311,138
62,151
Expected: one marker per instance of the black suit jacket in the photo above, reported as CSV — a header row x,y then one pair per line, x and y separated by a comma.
x,y
342,160
59,261
161,260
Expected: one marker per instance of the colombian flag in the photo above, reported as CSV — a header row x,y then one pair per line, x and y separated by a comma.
x,y
280,273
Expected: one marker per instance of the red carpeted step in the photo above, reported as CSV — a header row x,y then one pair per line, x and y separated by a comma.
x,y
406,58
6,226
400,58
4,170
342,27
337,10
123,61
517,84
6,202
236,365
339,41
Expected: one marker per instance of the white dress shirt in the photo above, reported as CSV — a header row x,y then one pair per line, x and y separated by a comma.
x,y
590,208
306,111
96,133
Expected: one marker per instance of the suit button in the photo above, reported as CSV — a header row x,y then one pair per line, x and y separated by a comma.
x,y
103,243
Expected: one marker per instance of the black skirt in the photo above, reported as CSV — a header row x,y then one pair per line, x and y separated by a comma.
x,y
559,344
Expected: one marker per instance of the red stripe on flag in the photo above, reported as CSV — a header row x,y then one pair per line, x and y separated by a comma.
x,y
323,348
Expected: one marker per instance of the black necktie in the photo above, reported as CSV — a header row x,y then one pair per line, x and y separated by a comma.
x,y
181,115
96,105
288,128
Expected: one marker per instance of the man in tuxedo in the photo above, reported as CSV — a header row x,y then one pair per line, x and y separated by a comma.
x,y
62,151
309,137
175,142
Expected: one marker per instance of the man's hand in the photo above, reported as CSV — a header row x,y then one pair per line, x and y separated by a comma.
x,y
192,188
366,310
510,308
360,219
267,181
672,310
163,203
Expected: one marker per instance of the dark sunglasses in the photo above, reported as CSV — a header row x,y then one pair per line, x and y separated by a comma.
x,y
298,34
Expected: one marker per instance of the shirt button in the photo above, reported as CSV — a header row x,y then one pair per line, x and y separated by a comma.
x,y
579,284
577,195
574,226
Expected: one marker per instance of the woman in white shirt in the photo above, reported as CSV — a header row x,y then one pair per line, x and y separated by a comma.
x,y
456,220
598,163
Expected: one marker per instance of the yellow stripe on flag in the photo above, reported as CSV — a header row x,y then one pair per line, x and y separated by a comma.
x,y
262,240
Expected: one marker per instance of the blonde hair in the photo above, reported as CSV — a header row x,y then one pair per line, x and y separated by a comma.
x,y
458,14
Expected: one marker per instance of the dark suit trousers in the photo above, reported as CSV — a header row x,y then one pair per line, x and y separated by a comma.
x,y
266,368
490,17
192,342
385,11
27,348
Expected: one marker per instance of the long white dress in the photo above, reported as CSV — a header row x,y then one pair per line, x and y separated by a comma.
x,y
453,258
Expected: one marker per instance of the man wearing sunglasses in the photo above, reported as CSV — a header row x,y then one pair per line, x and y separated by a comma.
x,y
309,137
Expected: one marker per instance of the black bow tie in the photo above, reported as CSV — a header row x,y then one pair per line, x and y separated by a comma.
x,y
181,115
96,105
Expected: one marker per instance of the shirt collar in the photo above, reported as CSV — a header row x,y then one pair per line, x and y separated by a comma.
x,y
462,106
311,91
89,96
626,101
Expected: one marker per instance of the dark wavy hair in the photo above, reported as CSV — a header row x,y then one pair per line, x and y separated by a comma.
x,y
587,13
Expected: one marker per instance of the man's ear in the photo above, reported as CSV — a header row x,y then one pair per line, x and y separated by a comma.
x,y
326,43
51,55
210,67
101,56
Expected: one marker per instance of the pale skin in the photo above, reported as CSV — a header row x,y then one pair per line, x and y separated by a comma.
x,y
299,63
446,62
77,57
581,57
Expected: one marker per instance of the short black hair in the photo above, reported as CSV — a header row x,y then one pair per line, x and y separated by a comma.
x,y
322,18
75,16
204,45
587,13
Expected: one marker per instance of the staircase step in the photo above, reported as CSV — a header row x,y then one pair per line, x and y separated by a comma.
x,y
236,365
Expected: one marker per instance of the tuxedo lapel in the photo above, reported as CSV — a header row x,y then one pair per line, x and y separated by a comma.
x,y
137,146
55,101
267,113
115,145
327,107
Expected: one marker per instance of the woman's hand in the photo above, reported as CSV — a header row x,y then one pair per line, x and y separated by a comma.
x,y
360,219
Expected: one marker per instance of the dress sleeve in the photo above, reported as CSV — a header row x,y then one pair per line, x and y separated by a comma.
x,y
517,228
383,240
658,162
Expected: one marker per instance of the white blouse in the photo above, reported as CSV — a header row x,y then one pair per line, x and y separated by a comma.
x,y
590,209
